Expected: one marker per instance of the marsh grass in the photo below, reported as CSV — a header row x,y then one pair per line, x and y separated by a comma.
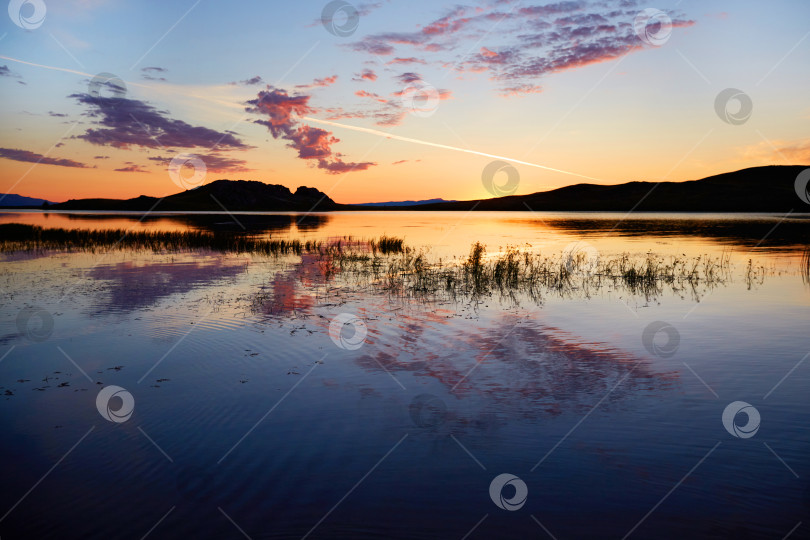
x,y
387,264
516,273
30,238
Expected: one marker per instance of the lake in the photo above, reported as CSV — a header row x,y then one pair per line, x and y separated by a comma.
x,y
197,392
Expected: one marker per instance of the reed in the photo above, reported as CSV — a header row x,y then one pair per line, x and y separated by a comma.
x,y
386,263
515,272
31,238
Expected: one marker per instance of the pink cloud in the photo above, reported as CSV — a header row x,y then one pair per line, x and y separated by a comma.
x,y
370,95
409,60
320,83
132,168
520,90
533,41
282,111
366,75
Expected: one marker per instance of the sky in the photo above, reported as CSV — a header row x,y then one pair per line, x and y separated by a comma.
x,y
395,100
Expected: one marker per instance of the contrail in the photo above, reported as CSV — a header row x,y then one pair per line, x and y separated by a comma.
x,y
186,92
353,128
66,70
447,147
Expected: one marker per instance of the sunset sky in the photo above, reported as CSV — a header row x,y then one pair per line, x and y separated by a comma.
x,y
262,90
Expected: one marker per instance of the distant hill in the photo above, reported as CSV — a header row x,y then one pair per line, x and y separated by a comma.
x,y
230,195
404,203
10,199
758,189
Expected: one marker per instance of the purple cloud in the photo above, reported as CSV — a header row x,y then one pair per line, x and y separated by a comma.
x,y
129,122
533,40
132,168
33,157
213,163
250,82
408,77
152,73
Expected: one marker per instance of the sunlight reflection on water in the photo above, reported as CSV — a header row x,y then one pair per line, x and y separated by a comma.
x,y
243,402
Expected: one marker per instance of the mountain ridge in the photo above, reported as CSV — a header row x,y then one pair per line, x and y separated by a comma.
x,y
757,189
13,200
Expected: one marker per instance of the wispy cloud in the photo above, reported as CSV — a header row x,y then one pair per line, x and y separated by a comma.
x,y
409,60
249,82
532,40
132,168
214,162
779,151
32,157
370,95
153,73
320,83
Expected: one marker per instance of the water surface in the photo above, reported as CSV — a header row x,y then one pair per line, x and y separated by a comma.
x,y
249,415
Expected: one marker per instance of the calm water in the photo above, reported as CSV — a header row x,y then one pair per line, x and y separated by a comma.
x,y
250,419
